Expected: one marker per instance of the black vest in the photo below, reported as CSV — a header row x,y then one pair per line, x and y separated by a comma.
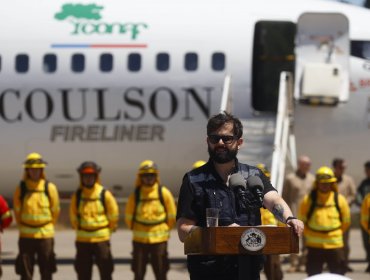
x,y
211,192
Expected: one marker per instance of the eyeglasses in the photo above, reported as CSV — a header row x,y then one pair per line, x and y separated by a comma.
x,y
88,175
227,139
320,177
148,175
34,161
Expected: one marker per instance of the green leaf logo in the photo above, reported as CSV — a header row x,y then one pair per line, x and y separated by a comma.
x,y
80,11
85,20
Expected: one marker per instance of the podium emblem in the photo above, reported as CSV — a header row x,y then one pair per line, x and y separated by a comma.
x,y
253,239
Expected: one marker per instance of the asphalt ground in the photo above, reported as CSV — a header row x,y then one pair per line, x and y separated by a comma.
x,y
121,250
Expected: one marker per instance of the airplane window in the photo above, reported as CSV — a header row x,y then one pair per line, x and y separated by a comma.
x,y
134,62
22,63
360,49
218,61
78,62
50,63
366,50
191,61
106,62
163,62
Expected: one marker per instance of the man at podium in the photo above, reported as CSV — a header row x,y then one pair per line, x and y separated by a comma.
x,y
238,190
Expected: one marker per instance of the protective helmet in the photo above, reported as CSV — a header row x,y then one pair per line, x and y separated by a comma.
x,y
34,160
325,175
198,163
148,166
264,169
89,167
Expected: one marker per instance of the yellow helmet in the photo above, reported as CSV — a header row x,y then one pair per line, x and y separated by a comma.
x,y
148,166
198,163
34,160
264,169
325,175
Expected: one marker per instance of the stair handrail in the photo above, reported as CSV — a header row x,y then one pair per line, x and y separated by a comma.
x,y
284,141
227,98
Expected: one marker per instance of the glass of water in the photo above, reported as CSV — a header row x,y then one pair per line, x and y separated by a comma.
x,y
212,217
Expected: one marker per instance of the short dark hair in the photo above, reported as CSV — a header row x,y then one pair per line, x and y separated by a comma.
x,y
337,162
216,121
367,164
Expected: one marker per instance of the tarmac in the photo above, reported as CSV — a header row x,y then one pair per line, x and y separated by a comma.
x,y
121,250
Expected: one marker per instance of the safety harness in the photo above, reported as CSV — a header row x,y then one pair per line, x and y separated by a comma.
x,y
78,200
24,190
313,197
137,201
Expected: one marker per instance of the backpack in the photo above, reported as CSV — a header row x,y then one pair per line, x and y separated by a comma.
x,y
24,190
137,200
101,198
313,196
78,200
23,193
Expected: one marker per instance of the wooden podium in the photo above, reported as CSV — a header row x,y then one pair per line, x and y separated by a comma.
x,y
242,241
228,241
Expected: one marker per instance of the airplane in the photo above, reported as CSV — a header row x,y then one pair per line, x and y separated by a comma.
x,y
120,82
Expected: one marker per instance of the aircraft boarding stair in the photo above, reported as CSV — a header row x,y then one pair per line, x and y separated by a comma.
x,y
258,136
268,137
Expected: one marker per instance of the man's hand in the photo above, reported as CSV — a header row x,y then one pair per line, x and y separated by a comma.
x,y
234,225
184,227
297,225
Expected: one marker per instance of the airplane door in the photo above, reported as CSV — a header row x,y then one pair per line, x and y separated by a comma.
x,y
273,52
322,57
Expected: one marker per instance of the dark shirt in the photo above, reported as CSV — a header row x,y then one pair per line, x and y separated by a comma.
x,y
203,188
362,190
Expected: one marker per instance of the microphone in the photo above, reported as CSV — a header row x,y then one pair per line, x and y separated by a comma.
x,y
255,184
238,185
237,180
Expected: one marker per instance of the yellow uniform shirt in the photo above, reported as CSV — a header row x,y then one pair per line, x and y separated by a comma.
x,y
37,213
93,220
325,229
153,220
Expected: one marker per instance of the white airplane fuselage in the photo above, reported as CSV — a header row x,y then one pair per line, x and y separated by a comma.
x,y
125,109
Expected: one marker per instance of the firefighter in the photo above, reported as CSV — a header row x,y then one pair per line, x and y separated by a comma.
x,y
198,163
94,216
150,214
5,220
36,208
272,265
326,215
